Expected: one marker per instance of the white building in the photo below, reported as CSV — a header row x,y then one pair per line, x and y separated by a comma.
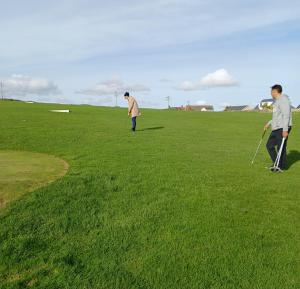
x,y
266,104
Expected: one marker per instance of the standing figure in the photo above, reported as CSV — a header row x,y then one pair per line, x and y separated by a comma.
x,y
133,109
281,124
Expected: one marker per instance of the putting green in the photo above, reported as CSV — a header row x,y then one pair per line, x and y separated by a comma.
x,y
22,172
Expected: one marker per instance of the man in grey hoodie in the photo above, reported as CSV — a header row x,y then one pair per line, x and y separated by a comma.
x,y
281,124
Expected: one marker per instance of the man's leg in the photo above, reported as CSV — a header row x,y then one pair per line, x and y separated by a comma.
x,y
133,123
271,146
283,160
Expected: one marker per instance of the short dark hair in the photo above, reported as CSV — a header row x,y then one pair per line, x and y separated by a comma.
x,y
126,94
277,87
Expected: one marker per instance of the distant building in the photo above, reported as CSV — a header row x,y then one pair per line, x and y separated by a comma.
x,y
266,104
200,107
195,108
238,108
178,107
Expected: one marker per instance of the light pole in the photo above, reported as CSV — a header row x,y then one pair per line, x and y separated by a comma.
x,y
188,105
168,100
1,88
116,96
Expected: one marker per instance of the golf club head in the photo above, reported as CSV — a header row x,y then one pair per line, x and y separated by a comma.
x,y
276,170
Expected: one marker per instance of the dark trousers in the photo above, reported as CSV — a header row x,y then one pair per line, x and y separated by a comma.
x,y
273,146
133,123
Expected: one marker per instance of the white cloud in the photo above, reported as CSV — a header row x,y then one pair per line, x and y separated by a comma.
x,y
113,86
219,78
188,86
75,30
20,85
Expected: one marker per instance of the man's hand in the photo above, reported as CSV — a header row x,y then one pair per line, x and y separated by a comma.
x,y
285,134
266,126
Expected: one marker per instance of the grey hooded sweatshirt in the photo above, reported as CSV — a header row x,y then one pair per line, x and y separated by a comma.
x,y
282,113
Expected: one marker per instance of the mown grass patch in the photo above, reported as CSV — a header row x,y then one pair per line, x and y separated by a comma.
x,y
22,172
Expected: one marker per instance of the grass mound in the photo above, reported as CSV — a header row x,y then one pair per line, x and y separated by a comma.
x,y
22,172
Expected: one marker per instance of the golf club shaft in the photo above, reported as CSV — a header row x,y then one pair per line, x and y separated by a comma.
x,y
276,164
258,147
257,151
280,151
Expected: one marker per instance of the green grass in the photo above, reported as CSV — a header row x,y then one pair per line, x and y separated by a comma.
x,y
176,205
22,172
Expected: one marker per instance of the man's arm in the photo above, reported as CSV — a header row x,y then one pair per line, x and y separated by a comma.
x,y
130,106
267,125
286,113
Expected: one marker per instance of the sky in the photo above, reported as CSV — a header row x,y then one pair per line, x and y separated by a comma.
x,y
194,51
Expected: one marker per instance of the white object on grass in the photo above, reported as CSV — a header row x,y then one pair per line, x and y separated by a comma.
x,y
60,110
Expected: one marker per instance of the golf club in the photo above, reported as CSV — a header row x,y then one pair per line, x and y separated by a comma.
x,y
276,167
258,147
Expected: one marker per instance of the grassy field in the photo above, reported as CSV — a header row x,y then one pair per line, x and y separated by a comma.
x,y
176,205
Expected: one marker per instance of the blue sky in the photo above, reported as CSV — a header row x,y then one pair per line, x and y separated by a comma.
x,y
197,51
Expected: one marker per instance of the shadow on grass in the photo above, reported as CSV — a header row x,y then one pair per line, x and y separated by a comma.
x,y
292,158
151,128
